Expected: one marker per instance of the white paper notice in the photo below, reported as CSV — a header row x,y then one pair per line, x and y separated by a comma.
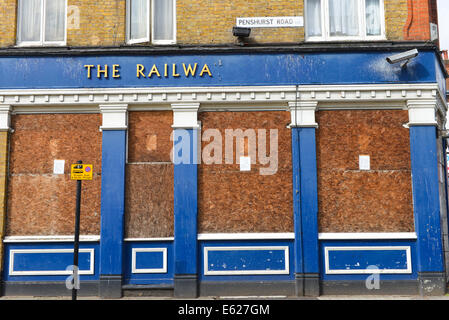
x,y
58,166
364,163
245,164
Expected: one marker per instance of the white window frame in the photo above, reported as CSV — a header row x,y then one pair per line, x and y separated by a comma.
x,y
150,26
325,21
42,41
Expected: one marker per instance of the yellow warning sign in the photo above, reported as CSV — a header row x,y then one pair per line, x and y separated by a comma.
x,y
81,171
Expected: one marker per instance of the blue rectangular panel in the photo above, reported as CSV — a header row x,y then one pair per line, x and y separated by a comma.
x,y
151,261
348,260
48,262
235,260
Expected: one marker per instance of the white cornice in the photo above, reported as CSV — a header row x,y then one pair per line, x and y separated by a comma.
x,y
267,97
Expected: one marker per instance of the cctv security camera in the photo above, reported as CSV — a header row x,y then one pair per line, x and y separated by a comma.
x,y
241,32
403,57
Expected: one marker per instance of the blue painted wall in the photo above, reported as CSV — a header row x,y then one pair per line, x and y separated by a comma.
x,y
226,69
142,263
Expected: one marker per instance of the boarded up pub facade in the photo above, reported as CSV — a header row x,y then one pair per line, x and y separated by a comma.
x,y
300,153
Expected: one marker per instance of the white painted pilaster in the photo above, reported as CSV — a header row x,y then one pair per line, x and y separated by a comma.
x,y
115,116
303,113
185,115
422,112
5,117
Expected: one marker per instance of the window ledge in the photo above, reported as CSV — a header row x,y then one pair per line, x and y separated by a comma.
x,y
37,45
347,39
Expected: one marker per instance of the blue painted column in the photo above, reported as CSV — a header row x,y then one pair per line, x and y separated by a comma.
x,y
426,206
305,198
112,200
185,152
298,224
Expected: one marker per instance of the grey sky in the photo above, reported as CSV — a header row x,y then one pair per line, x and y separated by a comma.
x,y
443,23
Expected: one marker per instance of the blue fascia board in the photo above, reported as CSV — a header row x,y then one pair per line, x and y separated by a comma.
x,y
236,69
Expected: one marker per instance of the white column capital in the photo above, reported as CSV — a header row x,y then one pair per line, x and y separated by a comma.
x,y
5,116
422,112
185,115
115,116
303,113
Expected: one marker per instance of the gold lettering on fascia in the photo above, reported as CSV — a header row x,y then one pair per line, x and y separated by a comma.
x,y
173,70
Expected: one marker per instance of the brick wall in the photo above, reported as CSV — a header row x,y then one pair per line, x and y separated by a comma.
x,y
396,12
7,23
446,64
205,21
420,14
3,175
103,23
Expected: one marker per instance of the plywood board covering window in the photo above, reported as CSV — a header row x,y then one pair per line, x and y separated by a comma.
x,y
230,200
39,201
353,200
149,175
